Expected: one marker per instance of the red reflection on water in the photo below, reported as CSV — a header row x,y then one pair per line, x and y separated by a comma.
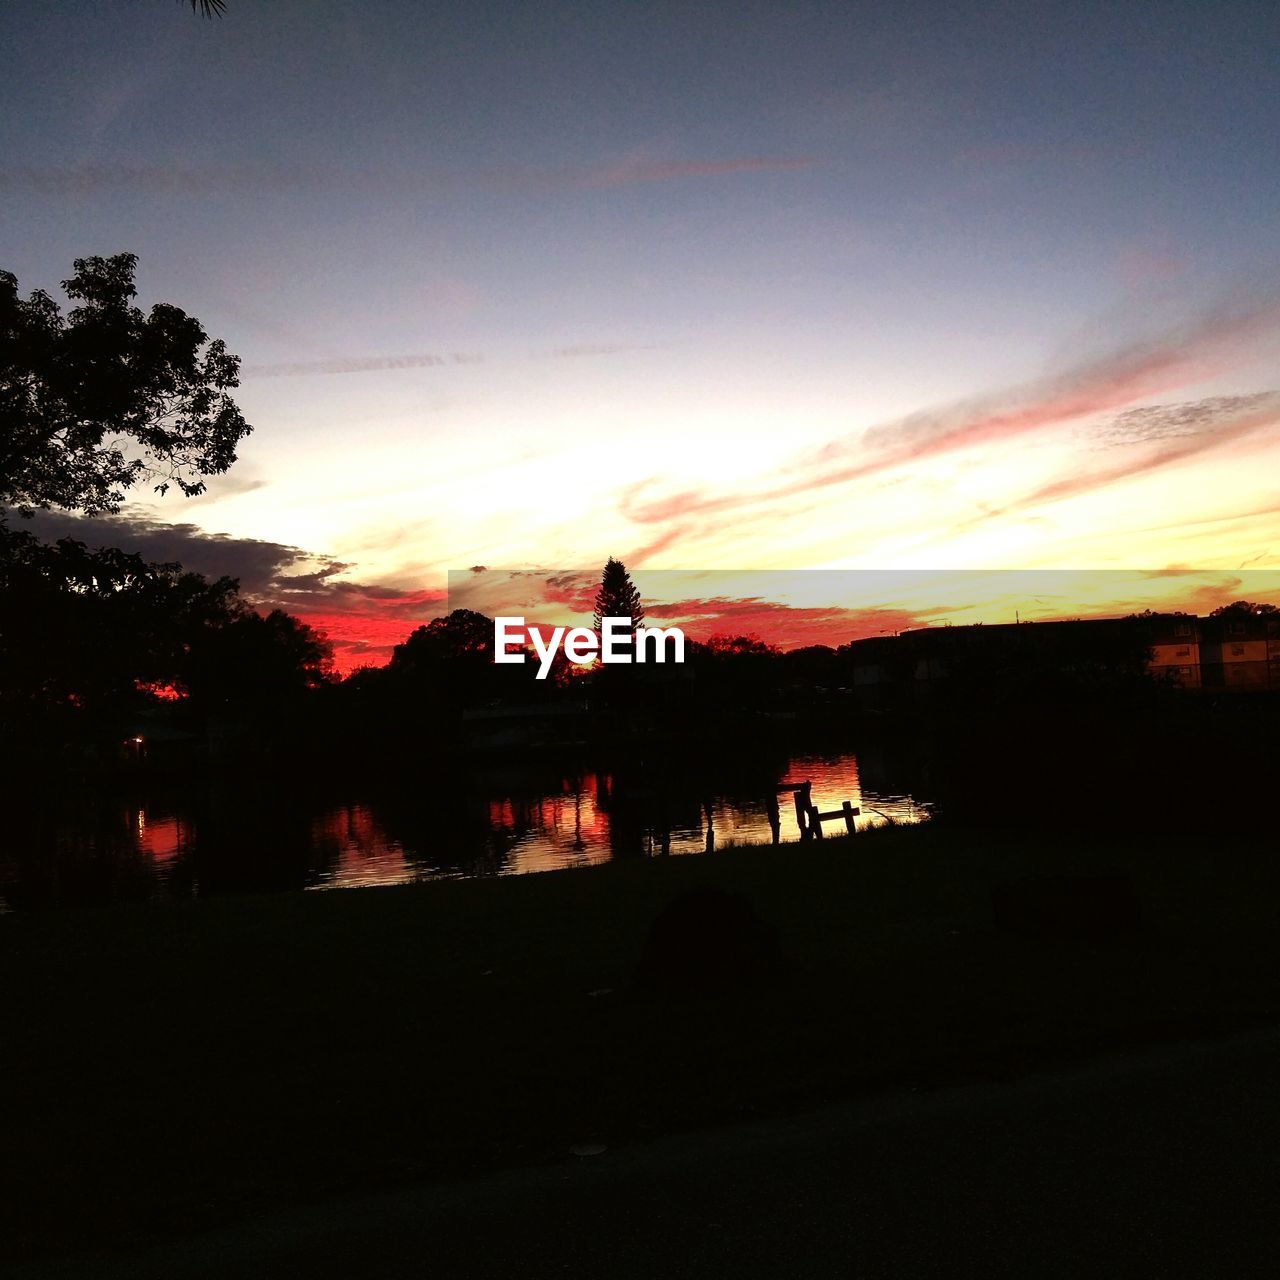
x,y
566,827
352,826
161,690
569,823
160,838
363,855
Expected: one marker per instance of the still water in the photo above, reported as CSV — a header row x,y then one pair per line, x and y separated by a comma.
x,y
237,838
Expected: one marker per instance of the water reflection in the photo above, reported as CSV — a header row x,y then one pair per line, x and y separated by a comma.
x,y
231,838
162,837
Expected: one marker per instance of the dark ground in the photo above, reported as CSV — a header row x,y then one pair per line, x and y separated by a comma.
x,y
176,1069
1160,1163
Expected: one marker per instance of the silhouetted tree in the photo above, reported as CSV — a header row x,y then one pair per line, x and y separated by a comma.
x,y
87,637
83,629
1244,609
617,597
442,667
737,671
208,8
94,401
256,663
741,647
463,636
814,665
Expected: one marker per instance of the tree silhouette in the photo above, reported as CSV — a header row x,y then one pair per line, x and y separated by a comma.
x,y
88,636
617,597
94,401
255,660
1245,609
208,8
463,636
446,664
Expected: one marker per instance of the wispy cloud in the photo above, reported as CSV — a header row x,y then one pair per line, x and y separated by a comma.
x,y
1187,418
656,546
358,364
633,171
164,179
1224,339
1185,432
579,350
1063,155
429,360
94,179
1228,517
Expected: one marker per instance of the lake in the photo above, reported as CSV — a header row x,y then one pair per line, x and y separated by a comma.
x,y
252,836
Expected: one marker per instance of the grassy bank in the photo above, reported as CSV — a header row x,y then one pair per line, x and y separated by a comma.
x,y
169,1067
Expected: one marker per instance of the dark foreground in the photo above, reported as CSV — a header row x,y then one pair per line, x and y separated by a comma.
x,y
1159,1164
177,1069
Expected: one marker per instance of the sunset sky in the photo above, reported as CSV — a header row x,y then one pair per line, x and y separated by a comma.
x,y
704,286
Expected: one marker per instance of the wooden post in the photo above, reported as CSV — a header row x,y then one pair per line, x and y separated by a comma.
x,y
817,818
775,820
801,795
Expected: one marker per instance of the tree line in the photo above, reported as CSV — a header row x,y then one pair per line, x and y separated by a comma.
x,y
106,397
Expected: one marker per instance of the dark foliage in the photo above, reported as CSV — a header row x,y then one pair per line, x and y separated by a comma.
x,y
89,639
95,401
1245,609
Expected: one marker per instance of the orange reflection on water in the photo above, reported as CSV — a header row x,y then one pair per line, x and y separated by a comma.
x,y
566,829
579,821
359,852
161,838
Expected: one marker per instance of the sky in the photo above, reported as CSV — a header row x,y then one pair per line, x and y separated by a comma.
x,y
712,287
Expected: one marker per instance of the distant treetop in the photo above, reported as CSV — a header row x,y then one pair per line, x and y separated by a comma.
x,y
1239,607
617,597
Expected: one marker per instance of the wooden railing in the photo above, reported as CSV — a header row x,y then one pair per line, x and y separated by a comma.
x,y
808,817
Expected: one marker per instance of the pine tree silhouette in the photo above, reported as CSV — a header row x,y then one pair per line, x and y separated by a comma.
x,y
618,597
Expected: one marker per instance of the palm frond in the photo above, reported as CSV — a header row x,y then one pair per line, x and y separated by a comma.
x,y
209,8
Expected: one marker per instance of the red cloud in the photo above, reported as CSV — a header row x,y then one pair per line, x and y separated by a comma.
x,y
365,623
785,626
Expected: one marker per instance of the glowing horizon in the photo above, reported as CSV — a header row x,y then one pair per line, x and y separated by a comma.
x,y
768,291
